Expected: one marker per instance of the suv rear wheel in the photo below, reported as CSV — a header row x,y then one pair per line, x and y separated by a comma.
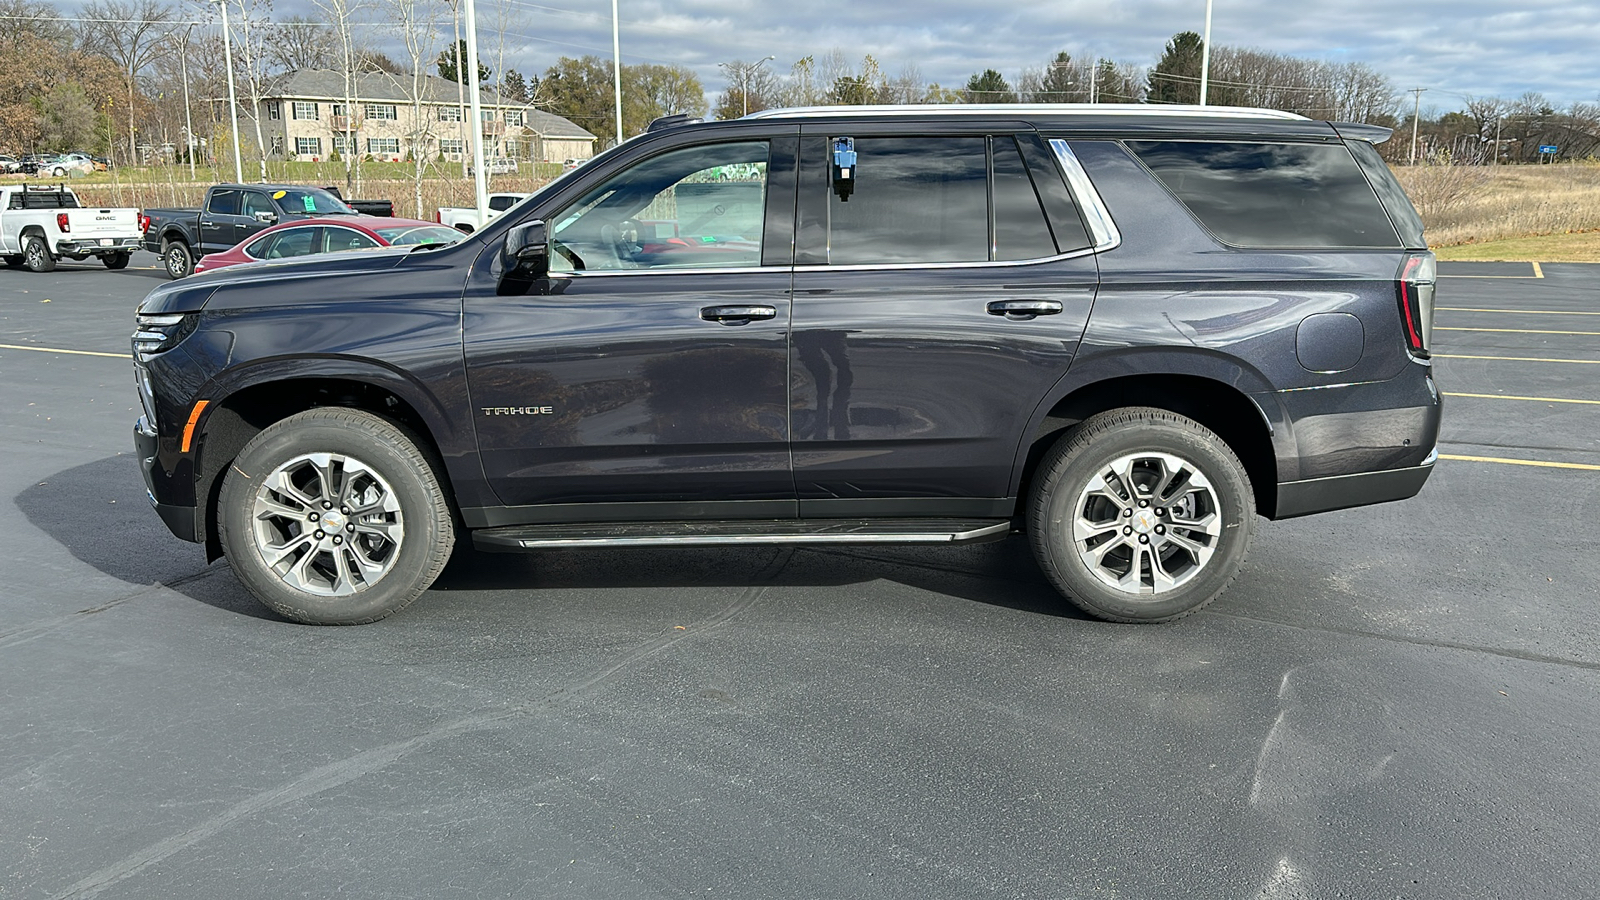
x,y
334,517
1141,515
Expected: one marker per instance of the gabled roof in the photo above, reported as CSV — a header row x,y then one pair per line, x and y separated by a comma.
x,y
325,84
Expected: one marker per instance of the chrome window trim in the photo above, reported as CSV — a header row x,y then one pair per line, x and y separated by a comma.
x,y
668,270
824,267
1102,228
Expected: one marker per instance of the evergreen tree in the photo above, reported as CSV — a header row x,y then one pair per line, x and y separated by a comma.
x,y
989,87
1058,85
1176,78
449,65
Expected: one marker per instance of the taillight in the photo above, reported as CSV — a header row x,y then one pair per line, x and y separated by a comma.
x,y
144,223
62,224
1417,276
438,217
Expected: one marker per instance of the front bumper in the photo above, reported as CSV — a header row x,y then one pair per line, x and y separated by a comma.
x,y
181,519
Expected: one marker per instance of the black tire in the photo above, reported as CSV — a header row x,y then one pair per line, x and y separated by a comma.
x,y
116,260
178,259
1087,451
37,254
386,449
15,261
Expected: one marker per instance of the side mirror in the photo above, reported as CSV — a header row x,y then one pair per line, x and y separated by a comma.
x,y
266,218
527,250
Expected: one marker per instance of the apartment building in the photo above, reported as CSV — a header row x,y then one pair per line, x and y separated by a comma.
x,y
305,116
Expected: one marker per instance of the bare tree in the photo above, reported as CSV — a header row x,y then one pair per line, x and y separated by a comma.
x,y
416,24
252,33
132,33
339,14
302,43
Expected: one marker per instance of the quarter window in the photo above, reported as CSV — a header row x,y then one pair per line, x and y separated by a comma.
x,y
700,207
1020,229
1272,195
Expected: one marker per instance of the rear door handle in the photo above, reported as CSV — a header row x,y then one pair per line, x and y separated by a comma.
x,y
1024,309
737,315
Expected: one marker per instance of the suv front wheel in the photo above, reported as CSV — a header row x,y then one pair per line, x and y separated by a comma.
x,y
334,517
1140,515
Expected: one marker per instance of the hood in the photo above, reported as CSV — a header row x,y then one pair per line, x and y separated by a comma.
x,y
190,294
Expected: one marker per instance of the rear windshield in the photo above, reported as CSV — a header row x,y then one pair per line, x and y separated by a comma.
x,y
1272,195
42,200
1404,215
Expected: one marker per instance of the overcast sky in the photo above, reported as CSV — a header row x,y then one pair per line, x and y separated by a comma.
x,y
1452,47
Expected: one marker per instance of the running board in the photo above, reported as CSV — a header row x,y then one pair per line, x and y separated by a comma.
x,y
755,531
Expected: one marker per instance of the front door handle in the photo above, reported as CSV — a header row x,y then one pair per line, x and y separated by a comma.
x,y
1022,310
737,315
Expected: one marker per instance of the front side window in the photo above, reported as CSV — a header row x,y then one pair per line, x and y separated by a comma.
x,y
411,235
255,204
1272,195
337,240
285,244
700,207
304,110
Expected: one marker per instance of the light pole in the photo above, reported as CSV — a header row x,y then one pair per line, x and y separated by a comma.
x,y
744,79
1205,57
480,183
188,124
616,67
233,98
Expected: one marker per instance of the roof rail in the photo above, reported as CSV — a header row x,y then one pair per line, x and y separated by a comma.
x,y
672,121
1058,109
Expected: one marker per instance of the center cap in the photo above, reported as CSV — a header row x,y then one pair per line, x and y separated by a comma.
x,y
333,520
1144,521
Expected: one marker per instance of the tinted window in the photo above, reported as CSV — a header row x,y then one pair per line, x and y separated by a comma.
x,y
501,204
285,244
1020,231
1272,195
223,203
915,200
696,207
256,203
1401,212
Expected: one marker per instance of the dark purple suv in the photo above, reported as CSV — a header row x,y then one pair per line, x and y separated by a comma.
x,y
1121,332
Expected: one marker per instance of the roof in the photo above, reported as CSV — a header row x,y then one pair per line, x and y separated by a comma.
x,y
326,84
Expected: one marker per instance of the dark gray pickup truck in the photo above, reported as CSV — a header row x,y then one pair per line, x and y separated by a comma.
x,y
230,214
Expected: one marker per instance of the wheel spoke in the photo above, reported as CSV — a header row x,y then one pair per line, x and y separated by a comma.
x,y
300,574
268,508
1193,547
1210,523
1134,580
1084,530
370,545
389,531
1158,573
322,464
279,481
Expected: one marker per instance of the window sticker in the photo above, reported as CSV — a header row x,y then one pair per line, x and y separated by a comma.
x,y
279,195
309,202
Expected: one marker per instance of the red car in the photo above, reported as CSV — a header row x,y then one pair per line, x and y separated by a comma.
x,y
305,237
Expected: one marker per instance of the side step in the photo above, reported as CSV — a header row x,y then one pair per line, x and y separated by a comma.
x,y
755,531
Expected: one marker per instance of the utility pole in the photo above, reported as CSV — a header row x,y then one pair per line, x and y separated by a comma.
x,y
480,182
188,123
1094,81
233,98
1495,159
1416,111
1205,57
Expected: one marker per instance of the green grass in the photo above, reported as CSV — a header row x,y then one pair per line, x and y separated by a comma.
x,y
1583,246
287,172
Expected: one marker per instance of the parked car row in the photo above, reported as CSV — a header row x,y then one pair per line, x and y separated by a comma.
x,y
56,165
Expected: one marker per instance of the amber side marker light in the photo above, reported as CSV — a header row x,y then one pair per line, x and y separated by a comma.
x,y
194,417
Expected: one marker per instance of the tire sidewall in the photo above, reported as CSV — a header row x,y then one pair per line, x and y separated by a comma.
x,y
298,436
116,260
36,255
1058,551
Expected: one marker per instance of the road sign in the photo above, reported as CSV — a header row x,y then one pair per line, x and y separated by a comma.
x,y
1548,148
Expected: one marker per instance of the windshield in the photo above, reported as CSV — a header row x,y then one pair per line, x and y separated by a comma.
x,y
405,235
311,201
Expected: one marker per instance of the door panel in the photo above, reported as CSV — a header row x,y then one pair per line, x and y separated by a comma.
x,y
640,378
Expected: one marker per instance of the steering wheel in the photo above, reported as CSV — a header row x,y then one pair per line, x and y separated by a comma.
x,y
616,240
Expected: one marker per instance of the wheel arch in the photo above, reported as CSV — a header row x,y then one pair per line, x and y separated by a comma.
x,y
251,401
1211,390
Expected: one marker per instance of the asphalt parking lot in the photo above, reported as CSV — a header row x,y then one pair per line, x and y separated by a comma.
x,y
1398,701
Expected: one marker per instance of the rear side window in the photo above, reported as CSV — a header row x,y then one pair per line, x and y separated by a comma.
x,y
1020,229
1272,195
223,203
1401,212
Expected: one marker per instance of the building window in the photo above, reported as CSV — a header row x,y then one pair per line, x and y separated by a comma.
x,y
303,110
515,150
451,145
514,117
449,113
389,146
342,144
382,111
274,110
308,146
486,115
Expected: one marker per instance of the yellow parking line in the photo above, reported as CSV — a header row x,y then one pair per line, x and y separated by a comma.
x,y
1538,271
1521,331
1588,362
73,352
1530,312
1513,397
1521,462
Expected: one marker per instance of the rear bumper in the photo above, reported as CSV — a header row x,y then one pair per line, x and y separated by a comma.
x,y
1315,495
91,246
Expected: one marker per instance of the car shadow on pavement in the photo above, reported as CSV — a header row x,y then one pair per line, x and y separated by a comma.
x,y
99,512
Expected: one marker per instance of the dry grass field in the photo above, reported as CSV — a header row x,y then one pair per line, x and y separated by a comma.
x,y
1506,212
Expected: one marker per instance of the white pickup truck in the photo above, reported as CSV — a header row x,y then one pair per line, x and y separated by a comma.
x,y
466,218
40,224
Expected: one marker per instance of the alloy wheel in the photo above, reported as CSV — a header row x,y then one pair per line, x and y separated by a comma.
x,y
327,524
1147,523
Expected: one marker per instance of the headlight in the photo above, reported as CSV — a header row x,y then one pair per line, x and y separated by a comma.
x,y
158,334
